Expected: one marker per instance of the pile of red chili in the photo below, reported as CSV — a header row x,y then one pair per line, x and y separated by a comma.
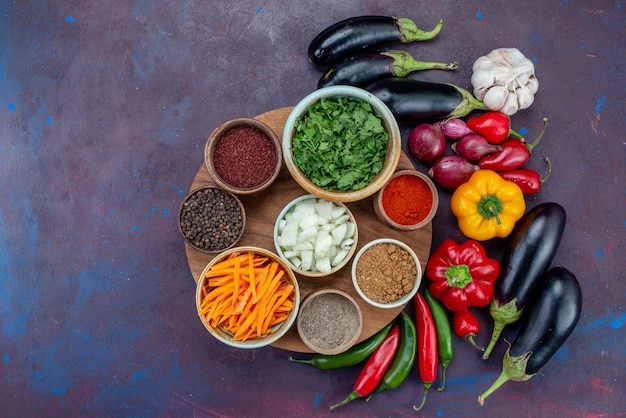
x,y
407,199
244,157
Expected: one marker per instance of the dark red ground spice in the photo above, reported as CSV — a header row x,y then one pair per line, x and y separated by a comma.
x,y
244,157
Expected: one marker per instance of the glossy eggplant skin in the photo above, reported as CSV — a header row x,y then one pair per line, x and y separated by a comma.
x,y
358,70
415,100
533,243
549,319
356,34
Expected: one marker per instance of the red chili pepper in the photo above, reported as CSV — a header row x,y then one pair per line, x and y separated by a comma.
x,y
513,155
466,325
494,126
427,348
462,275
374,370
527,179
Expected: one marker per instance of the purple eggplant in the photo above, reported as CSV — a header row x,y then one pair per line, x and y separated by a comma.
x,y
356,34
364,68
547,322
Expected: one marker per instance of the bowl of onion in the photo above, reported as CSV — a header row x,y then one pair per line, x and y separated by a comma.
x,y
314,236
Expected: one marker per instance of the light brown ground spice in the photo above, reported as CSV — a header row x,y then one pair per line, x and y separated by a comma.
x,y
329,321
385,272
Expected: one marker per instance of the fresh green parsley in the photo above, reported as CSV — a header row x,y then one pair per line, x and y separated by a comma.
x,y
340,144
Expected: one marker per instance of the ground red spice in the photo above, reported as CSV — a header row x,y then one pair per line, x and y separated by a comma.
x,y
407,199
244,157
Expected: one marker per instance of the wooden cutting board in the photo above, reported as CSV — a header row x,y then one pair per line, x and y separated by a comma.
x,y
262,211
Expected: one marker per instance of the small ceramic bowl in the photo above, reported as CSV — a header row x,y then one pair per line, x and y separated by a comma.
x,y
243,156
386,273
315,236
392,158
199,211
330,321
277,330
422,210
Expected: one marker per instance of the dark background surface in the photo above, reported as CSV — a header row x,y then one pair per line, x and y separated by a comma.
x,y
104,111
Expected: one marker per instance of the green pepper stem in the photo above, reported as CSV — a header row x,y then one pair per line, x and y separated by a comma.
x,y
470,338
310,361
516,134
444,364
546,176
536,141
490,206
352,396
427,386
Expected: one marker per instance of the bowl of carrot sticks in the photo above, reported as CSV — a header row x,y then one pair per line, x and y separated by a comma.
x,y
247,297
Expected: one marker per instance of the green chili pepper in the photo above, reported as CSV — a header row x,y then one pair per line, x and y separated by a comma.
x,y
444,334
404,359
350,357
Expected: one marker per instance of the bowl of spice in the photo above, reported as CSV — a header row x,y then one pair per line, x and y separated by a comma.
x,y
341,143
329,321
386,273
408,201
247,297
211,219
243,156
315,236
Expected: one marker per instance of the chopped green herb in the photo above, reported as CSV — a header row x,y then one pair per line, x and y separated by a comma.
x,y
340,144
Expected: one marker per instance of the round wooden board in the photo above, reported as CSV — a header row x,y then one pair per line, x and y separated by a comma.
x,y
262,211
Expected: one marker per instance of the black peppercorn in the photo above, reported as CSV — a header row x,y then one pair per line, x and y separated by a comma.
x,y
211,219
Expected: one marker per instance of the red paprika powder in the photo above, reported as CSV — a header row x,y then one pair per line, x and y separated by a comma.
x,y
407,199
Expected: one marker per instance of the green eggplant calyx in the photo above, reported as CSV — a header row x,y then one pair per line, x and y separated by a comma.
x,y
403,63
468,104
502,316
513,368
409,32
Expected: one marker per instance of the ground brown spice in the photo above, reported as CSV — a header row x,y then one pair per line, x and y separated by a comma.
x,y
329,321
244,157
385,272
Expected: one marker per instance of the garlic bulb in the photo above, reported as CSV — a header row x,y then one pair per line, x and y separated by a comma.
x,y
505,80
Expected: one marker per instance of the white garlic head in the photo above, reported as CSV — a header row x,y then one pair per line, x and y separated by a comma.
x,y
505,80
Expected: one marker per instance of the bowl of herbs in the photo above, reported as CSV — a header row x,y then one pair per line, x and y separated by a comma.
x,y
341,143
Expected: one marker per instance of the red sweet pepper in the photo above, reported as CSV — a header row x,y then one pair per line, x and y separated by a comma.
x,y
466,325
527,179
513,155
427,345
494,126
462,275
374,370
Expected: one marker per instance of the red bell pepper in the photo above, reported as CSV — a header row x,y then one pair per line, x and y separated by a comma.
x,y
462,275
374,370
527,179
494,126
466,325
513,155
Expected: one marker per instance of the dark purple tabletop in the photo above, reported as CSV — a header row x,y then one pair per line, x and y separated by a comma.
x,y
105,108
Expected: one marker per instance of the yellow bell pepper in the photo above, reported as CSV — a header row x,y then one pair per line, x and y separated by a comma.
x,y
487,206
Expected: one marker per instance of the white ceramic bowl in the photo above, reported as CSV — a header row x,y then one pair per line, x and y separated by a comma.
x,y
404,299
278,330
283,251
394,146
